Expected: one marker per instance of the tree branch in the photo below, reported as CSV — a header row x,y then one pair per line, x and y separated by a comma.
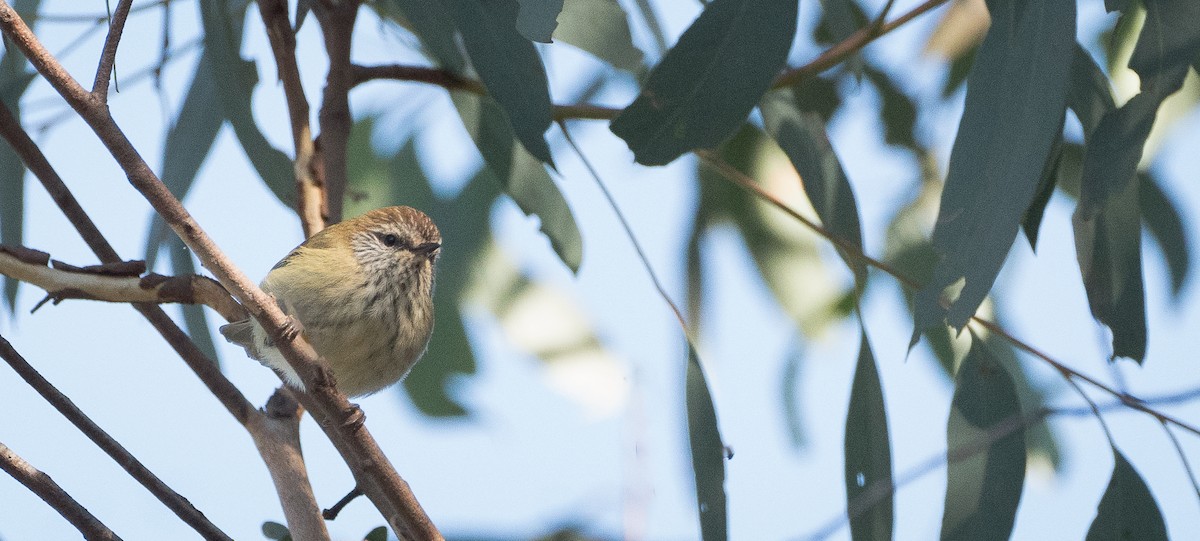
x,y
310,200
117,283
108,56
337,26
277,437
340,420
41,484
175,502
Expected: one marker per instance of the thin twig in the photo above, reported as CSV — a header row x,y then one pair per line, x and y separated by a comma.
x,y
165,494
337,26
340,420
333,512
310,200
741,179
108,56
41,484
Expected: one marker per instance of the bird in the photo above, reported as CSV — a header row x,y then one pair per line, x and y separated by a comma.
x,y
361,293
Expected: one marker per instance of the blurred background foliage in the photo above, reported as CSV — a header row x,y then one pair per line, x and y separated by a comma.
x,y
504,131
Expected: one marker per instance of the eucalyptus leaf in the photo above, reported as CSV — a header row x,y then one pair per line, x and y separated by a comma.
x,y
194,319
1127,510
432,24
1016,99
537,19
802,137
509,68
15,77
520,175
983,484
601,28
1162,218
706,85
708,453
867,447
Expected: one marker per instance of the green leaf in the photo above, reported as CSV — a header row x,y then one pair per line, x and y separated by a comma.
x,y
378,534
708,453
431,23
194,319
789,385
520,175
868,452
1088,93
537,19
1128,510
601,28
509,67
985,450
235,79
1031,220
896,110
15,78
957,74
1016,99
276,531
1163,220
707,84
802,137
1169,42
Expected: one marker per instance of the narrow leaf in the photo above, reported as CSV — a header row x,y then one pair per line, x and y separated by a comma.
x,y
1128,510
521,176
1016,98
1031,221
868,453
985,450
601,28
432,24
708,453
537,19
509,67
1088,93
1163,219
194,319
896,110
15,77
802,137
1169,42
707,84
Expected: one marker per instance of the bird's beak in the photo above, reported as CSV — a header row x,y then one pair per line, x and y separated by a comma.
x,y
429,249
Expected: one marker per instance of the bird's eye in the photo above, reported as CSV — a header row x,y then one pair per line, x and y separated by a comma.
x,y
391,240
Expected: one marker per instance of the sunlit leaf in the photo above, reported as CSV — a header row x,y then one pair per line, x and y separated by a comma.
x,y
537,19
1128,510
868,452
708,453
509,67
521,176
802,137
601,28
706,85
985,450
1016,99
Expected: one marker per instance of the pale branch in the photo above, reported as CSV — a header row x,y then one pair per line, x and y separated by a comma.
x,y
41,484
340,420
108,55
266,431
123,282
277,437
310,190
854,251
165,494
336,19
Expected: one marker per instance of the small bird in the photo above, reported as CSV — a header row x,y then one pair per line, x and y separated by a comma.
x,y
361,293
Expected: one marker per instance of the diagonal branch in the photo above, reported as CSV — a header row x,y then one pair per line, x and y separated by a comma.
x,y
49,491
340,420
268,430
175,502
111,283
108,56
